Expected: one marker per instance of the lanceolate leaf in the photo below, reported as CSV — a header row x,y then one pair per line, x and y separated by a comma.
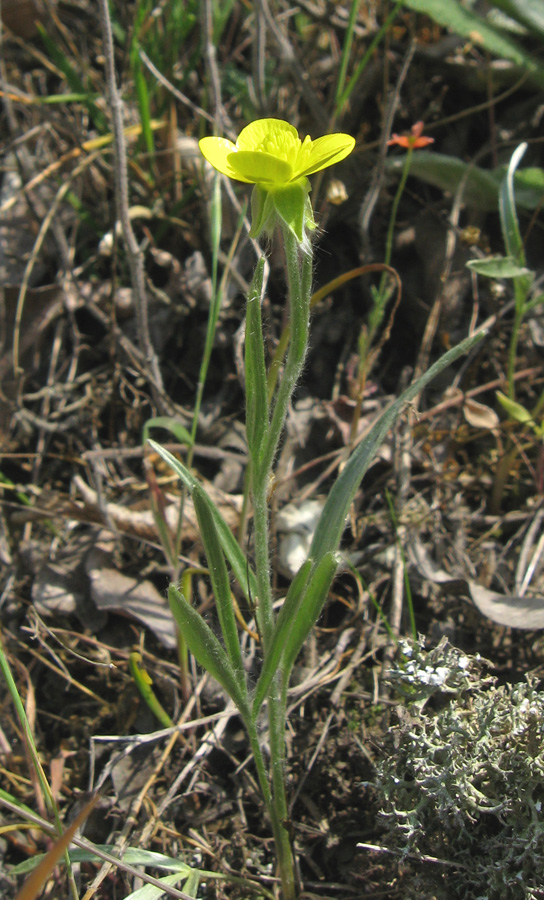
x,y
284,623
309,610
219,578
497,267
243,573
515,410
480,187
331,524
507,208
206,648
169,424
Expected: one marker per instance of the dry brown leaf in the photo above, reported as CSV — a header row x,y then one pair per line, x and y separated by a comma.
x,y
112,591
479,415
508,609
512,610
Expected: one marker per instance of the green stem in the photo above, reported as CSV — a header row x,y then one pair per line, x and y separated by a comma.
x,y
394,210
213,315
299,278
281,835
277,715
519,313
265,612
502,472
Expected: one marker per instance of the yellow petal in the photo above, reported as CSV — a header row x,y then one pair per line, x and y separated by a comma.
x,y
326,151
259,168
256,133
217,150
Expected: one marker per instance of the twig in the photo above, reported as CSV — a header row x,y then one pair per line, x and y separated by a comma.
x,y
258,59
433,320
171,88
375,848
134,254
289,57
210,54
371,198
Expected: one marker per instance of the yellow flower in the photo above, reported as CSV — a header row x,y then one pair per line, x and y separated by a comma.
x,y
270,152
270,155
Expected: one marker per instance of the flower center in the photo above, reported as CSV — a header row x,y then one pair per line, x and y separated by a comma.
x,y
283,146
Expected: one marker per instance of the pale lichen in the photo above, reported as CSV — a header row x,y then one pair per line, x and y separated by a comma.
x,y
463,782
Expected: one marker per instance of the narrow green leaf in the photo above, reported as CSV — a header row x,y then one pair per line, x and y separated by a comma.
x,y
465,22
5,795
309,610
243,573
529,187
515,410
480,186
528,12
332,521
257,413
151,892
343,96
497,267
72,76
206,648
143,105
287,615
346,53
169,424
143,683
507,210
133,856
219,578
192,884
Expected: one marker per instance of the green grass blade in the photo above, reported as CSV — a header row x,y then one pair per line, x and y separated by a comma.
x,y
144,106
346,53
169,424
343,96
28,737
507,209
133,856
